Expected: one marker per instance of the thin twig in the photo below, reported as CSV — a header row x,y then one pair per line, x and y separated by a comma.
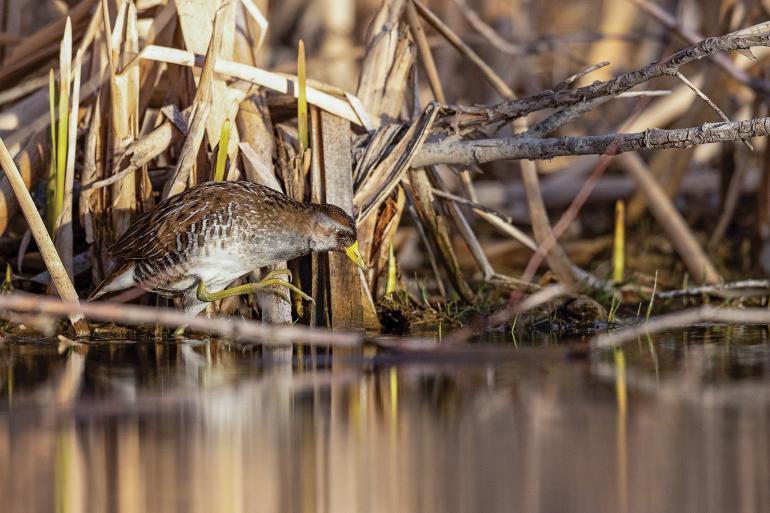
x,y
710,103
472,204
460,117
691,36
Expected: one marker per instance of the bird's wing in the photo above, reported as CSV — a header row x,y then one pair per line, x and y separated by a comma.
x,y
157,232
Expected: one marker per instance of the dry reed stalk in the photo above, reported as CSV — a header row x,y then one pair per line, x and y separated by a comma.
x,y
429,65
255,15
384,230
161,32
436,229
556,257
124,104
45,244
698,264
344,284
382,46
93,216
467,233
431,253
201,108
379,182
381,87
198,20
277,82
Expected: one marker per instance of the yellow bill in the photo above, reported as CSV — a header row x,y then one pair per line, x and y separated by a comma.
x,y
354,254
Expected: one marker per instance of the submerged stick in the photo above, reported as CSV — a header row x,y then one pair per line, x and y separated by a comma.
x,y
51,258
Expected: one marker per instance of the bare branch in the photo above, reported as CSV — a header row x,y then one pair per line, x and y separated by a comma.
x,y
454,152
683,319
460,117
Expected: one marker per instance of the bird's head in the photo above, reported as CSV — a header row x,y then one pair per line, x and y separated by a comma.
x,y
334,230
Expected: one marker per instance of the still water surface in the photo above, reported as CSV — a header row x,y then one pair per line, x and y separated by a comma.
x,y
679,423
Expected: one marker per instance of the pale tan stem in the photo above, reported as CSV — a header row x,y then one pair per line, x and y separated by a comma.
x,y
51,258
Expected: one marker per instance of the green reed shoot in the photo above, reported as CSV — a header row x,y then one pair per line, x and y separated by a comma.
x,y
390,283
614,306
302,125
7,286
513,331
619,245
652,298
51,191
224,143
62,130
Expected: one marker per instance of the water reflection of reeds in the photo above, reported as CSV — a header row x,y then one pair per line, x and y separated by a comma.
x,y
221,433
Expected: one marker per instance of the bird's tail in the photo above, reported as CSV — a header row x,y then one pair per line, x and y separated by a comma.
x,y
121,279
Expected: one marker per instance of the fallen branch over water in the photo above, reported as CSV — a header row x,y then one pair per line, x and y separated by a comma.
x,y
681,320
133,315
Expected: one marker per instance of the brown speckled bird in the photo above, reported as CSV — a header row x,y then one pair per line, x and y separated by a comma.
x,y
196,243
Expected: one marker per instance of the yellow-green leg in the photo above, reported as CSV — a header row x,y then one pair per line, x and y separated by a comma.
x,y
250,288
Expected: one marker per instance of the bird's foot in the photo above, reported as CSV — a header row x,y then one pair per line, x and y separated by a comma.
x,y
278,272
249,288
